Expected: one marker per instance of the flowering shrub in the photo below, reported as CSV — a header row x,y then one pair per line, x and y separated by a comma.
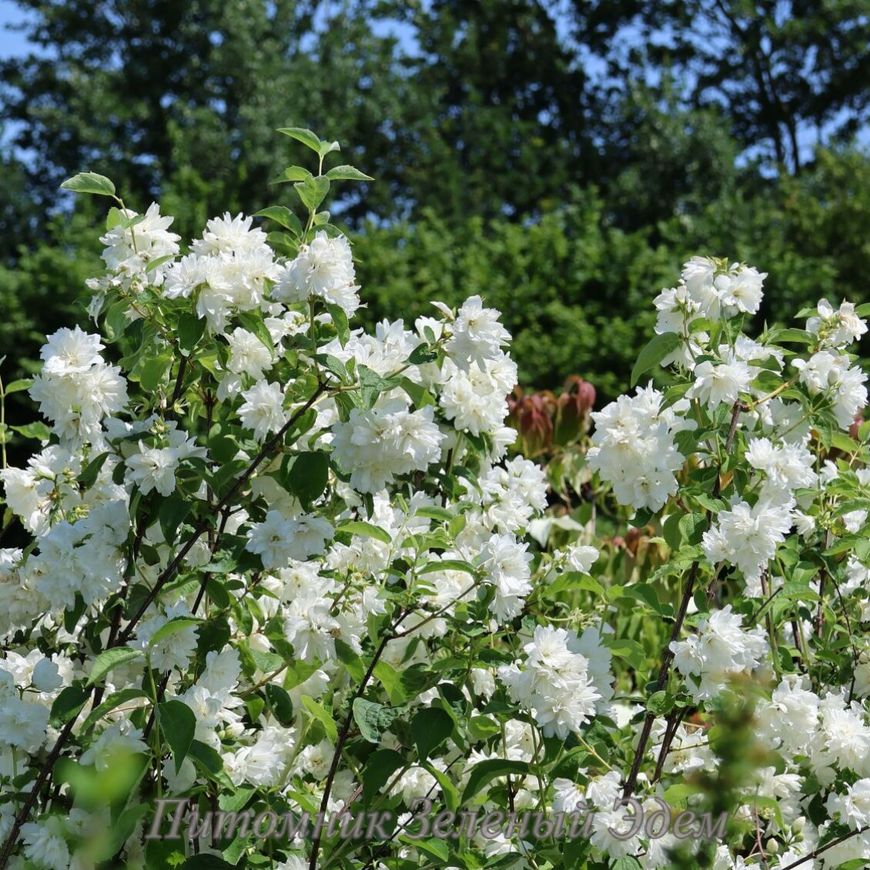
x,y
280,565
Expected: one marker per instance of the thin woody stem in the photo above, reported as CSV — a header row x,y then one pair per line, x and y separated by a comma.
x,y
667,653
168,573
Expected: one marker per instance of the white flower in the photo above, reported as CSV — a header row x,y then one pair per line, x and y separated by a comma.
x,y
791,718
129,249
513,493
477,334
76,389
71,351
744,292
475,399
266,763
44,843
717,384
633,449
786,467
507,565
554,682
117,738
46,676
580,558
263,409
278,539
830,373
377,444
836,328
324,269
747,536
854,806
720,648
231,236
248,354
155,467
22,723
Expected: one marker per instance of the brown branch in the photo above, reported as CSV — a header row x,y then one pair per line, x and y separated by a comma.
x,y
816,852
204,525
33,795
271,445
345,731
667,653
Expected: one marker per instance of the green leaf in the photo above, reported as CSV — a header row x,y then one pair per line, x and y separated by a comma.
x,y
646,593
349,659
485,771
339,320
671,531
312,191
365,530
347,173
800,336
254,323
282,215
17,386
265,660
178,724
207,862
320,713
625,648
379,767
114,218
659,703
301,134
328,148
372,718
114,700
308,476
653,353
172,512
437,849
433,512
67,705
174,626
210,762
448,788
158,262
89,182
37,430
109,659
279,701
292,173
429,728
190,329
447,565
152,370
89,476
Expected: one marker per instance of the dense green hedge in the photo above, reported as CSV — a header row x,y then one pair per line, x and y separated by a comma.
x,y
575,290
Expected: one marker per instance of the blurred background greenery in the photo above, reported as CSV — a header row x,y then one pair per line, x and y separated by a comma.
x,y
560,158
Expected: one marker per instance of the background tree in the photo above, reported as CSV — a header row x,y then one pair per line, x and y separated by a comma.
x,y
556,156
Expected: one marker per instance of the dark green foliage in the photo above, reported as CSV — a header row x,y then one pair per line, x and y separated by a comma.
x,y
560,159
576,290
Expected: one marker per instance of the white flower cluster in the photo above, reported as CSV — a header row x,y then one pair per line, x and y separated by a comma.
x,y
633,448
323,269
563,680
305,549
227,270
76,389
718,651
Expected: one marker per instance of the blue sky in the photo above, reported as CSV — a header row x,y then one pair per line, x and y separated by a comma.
x,y
12,44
